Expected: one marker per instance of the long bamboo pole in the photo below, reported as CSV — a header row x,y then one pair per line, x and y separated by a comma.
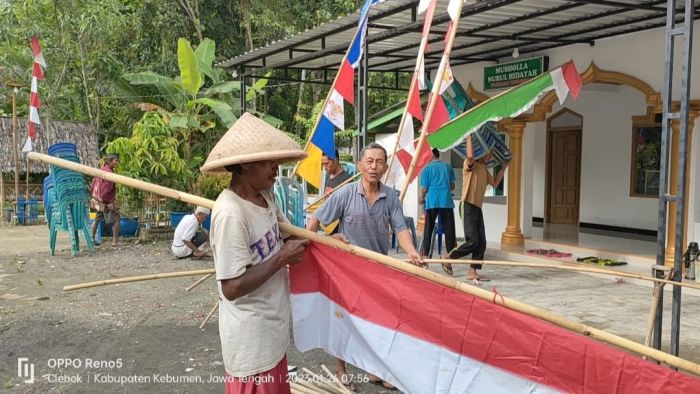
x,y
326,195
335,379
210,314
592,270
199,282
15,149
328,95
138,279
656,296
483,294
434,96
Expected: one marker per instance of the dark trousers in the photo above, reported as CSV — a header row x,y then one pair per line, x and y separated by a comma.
x,y
474,234
199,238
447,218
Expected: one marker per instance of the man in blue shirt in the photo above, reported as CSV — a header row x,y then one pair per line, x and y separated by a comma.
x,y
437,181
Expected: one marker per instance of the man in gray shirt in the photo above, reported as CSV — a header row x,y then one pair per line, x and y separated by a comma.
x,y
368,211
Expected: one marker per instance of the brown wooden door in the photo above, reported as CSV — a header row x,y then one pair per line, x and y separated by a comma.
x,y
565,176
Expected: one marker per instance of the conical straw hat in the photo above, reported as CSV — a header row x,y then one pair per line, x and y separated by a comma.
x,y
251,139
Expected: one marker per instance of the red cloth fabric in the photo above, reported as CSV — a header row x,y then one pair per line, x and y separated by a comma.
x,y
274,381
103,189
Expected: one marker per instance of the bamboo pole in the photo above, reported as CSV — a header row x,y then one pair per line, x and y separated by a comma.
x,y
308,385
26,192
301,389
324,382
483,294
656,296
434,96
328,95
137,279
15,153
565,268
197,283
211,312
326,195
335,379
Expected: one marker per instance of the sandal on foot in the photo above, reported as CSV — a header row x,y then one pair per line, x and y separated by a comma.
x,y
383,384
447,267
349,385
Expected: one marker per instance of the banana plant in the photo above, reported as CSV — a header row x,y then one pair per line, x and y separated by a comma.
x,y
189,109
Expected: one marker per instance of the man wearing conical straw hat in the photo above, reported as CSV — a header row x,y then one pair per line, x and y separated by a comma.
x,y
251,256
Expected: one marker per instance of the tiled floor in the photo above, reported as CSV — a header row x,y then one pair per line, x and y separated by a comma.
x,y
618,243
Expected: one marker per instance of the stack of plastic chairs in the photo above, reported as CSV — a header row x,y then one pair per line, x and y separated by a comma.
x,y
68,198
290,197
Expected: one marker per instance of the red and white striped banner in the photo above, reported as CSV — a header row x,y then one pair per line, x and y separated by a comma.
x,y
34,102
426,338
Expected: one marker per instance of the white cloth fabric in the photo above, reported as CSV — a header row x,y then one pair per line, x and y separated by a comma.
x,y
185,230
254,328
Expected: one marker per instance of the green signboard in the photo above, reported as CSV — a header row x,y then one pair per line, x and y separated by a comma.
x,y
507,75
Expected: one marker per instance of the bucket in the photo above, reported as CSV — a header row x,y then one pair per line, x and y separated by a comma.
x,y
175,218
128,227
207,223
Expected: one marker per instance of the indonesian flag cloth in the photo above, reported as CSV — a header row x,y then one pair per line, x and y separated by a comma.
x,y
425,338
34,102
511,103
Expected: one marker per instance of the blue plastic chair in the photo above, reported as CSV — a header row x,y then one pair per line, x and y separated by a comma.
x,y
350,168
290,197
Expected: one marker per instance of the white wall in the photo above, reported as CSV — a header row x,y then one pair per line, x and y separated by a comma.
x,y
607,133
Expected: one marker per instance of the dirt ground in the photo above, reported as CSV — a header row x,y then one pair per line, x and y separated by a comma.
x,y
147,329
150,330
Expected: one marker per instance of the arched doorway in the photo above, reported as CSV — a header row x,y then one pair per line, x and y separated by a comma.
x,y
563,176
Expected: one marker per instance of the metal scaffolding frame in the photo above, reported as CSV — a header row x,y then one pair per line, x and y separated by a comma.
x,y
682,30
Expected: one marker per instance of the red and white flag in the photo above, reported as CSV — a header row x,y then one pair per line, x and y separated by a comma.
x,y
34,102
427,338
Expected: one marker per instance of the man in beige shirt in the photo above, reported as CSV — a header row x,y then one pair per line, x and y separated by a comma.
x,y
475,178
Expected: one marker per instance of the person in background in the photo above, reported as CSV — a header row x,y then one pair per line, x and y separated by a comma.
x,y
476,177
368,211
104,200
335,174
189,237
437,181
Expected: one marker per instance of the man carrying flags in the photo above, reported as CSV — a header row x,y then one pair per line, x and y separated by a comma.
x,y
368,211
475,178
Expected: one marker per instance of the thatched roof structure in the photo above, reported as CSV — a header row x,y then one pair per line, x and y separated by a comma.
x,y
81,134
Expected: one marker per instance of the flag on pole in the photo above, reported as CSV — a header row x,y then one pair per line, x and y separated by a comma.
x,y
453,9
333,114
563,80
34,102
406,148
424,337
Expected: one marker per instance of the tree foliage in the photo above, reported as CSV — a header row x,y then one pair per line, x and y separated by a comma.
x,y
111,60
